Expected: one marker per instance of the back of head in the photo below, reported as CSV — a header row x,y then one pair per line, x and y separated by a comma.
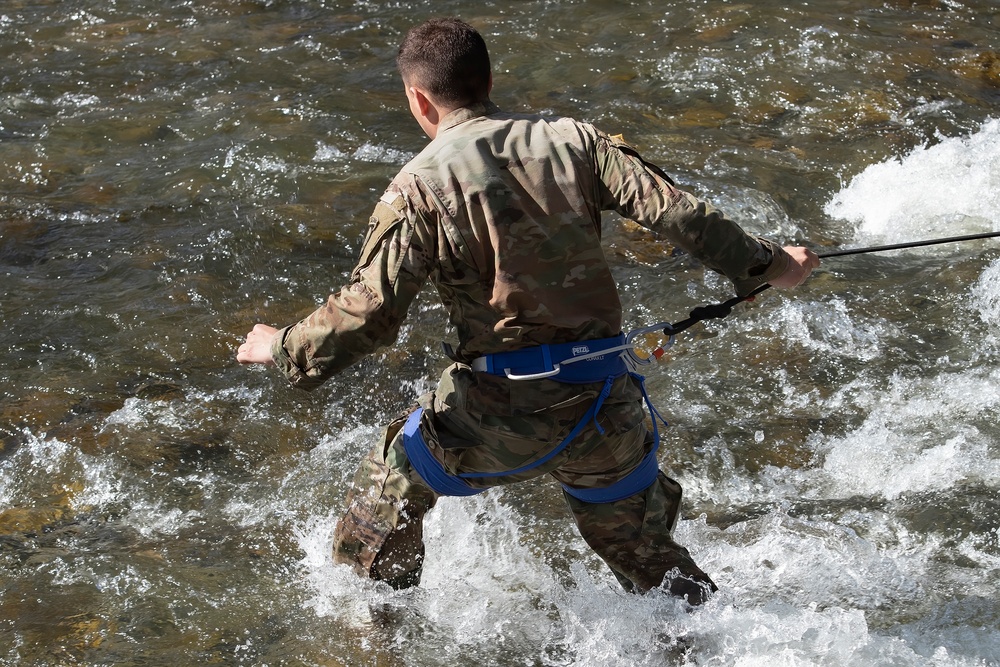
x,y
448,58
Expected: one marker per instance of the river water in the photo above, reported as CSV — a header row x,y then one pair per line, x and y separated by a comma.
x,y
172,172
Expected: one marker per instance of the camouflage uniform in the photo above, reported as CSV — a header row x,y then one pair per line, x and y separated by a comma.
x,y
503,213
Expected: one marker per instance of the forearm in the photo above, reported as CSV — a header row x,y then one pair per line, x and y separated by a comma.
x,y
642,192
361,317
720,244
352,324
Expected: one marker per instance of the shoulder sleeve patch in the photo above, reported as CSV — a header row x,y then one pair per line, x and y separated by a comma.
x,y
619,141
389,211
393,200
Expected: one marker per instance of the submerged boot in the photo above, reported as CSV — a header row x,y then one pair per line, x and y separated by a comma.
x,y
401,560
402,581
696,590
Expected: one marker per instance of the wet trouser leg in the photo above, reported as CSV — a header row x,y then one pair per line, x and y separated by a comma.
x,y
380,534
634,537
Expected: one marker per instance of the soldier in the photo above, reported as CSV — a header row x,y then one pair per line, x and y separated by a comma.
x,y
502,212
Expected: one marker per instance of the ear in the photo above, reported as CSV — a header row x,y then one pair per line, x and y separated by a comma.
x,y
424,105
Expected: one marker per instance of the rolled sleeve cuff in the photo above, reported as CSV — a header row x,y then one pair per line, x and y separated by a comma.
x,y
298,377
780,261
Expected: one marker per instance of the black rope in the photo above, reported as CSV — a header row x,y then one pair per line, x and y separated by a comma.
x,y
720,310
911,244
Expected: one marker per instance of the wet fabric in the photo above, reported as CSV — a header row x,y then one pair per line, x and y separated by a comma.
x,y
380,534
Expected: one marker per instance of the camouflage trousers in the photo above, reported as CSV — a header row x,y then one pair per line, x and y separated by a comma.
x,y
481,423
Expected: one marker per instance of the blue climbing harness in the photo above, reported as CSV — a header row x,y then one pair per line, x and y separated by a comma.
x,y
575,363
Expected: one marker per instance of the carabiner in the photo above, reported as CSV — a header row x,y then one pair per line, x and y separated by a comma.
x,y
660,327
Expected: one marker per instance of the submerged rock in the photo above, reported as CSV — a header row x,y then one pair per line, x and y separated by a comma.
x,y
984,67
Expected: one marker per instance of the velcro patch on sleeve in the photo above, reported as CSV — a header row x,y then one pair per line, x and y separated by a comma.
x,y
618,140
388,211
387,214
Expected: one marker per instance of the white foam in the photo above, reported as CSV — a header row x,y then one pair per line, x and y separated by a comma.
x,y
795,592
369,152
918,436
827,326
919,431
950,187
327,153
984,301
39,458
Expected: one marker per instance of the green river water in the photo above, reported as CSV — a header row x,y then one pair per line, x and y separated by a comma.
x,y
172,172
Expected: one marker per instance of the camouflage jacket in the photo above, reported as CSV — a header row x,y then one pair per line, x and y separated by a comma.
x,y
502,212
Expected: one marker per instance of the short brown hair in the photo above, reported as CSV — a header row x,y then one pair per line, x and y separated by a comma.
x,y
448,58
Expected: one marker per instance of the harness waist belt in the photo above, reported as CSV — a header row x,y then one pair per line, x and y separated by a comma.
x,y
573,363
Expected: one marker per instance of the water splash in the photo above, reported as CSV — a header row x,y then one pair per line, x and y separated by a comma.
x,y
946,188
985,299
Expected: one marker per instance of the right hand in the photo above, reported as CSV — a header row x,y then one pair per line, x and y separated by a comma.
x,y
257,349
802,265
